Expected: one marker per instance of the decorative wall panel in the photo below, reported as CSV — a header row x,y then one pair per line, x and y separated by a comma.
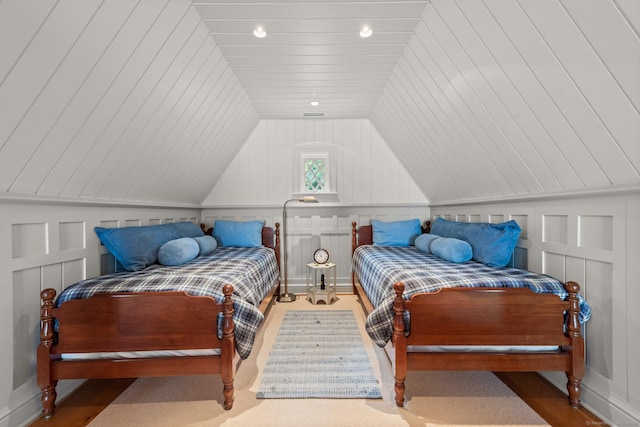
x,y
595,232
71,235
25,325
599,293
555,229
29,239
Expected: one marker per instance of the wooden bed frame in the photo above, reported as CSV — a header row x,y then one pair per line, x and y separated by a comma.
x,y
483,317
144,321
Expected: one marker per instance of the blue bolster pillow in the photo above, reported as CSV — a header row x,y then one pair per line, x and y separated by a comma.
x,y
178,251
452,250
423,242
207,244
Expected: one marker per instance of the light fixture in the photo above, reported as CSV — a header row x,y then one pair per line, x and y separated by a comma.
x,y
259,32
365,32
286,296
314,103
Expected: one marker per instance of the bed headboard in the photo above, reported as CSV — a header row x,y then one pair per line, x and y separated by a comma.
x,y
363,235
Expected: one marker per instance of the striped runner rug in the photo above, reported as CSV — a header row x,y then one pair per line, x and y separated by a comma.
x,y
318,354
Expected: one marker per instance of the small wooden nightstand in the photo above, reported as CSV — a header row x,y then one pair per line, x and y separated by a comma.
x,y
321,282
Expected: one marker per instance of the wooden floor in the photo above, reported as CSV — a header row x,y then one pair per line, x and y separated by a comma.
x,y
85,403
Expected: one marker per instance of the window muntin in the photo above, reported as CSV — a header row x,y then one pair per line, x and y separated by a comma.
x,y
315,174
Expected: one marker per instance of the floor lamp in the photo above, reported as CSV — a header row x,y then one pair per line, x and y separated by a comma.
x,y
286,296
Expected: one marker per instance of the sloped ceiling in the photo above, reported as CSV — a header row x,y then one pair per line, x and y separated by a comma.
x,y
496,99
115,100
148,101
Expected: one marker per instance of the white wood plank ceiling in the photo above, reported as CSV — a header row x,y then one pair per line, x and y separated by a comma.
x,y
312,51
148,101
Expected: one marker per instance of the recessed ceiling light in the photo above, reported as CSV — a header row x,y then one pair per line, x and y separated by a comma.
x,y
259,32
365,32
315,103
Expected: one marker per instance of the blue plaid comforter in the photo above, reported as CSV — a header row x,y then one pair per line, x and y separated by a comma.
x,y
379,267
251,271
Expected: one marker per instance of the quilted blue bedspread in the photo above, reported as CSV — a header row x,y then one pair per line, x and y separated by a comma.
x,y
251,271
379,267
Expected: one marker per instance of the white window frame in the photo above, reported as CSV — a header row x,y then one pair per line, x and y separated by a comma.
x,y
320,150
304,157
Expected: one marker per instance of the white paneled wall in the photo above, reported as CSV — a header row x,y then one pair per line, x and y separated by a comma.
x,y
592,241
494,99
50,246
313,226
264,170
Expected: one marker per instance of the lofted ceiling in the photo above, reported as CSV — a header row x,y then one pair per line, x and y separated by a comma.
x,y
312,51
150,101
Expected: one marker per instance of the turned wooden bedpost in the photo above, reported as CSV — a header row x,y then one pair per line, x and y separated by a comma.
x,y
45,382
228,347
576,368
400,344
354,232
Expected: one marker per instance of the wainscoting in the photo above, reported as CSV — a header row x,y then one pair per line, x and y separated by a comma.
x,y
592,241
589,239
50,246
313,226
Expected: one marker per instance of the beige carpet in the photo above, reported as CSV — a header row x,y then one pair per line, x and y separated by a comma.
x,y
433,399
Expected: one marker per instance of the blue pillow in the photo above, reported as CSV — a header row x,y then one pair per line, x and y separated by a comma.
x,y
207,244
178,251
423,242
452,250
492,244
187,229
136,247
246,234
395,233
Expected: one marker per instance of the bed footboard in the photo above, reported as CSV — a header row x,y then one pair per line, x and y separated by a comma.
x,y
126,322
489,317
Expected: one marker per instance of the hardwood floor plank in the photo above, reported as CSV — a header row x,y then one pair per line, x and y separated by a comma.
x,y
547,400
85,403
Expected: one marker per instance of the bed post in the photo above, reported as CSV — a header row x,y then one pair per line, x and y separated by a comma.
x,y
354,232
45,379
400,344
228,347
576,351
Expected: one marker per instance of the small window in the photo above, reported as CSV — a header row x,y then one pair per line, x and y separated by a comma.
x,y
315,173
